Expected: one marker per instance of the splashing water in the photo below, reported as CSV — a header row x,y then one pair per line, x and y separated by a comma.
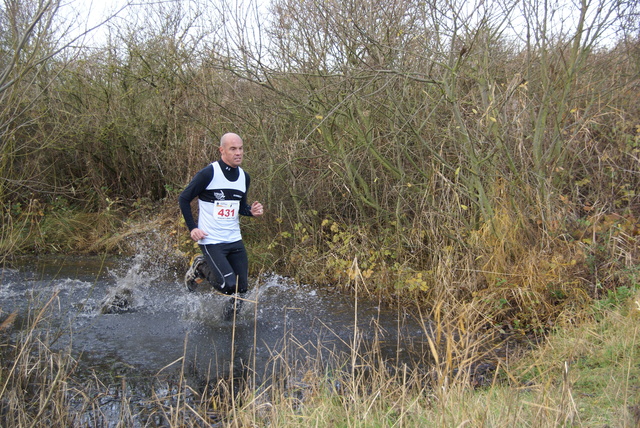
x,y
136,313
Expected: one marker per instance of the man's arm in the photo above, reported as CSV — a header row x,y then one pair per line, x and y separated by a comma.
x,y
199,183
255,209
245,208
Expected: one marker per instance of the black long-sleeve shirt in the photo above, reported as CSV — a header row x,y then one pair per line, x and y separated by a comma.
x,y
198,188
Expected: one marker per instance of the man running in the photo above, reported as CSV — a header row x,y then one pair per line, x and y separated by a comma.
x,y
221,188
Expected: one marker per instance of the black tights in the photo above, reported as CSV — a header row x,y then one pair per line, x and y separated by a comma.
x,y
228,267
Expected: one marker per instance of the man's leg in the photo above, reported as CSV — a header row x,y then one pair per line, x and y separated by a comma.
x,y
234,271
239,262
237,257
195,275
220,271
226,269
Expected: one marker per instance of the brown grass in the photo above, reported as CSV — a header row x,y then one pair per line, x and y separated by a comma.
x,y
468,377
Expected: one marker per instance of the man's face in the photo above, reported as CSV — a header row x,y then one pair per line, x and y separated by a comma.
x,y
231,151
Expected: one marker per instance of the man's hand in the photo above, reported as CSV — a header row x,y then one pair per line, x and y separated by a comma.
x,y
256,209
197,234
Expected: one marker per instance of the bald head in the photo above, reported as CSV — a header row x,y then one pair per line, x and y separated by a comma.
x,y
231,149
229,137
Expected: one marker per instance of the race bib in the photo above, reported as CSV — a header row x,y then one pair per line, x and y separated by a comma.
x,y
226,210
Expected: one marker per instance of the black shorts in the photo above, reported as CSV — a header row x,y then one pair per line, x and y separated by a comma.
x,y
228,267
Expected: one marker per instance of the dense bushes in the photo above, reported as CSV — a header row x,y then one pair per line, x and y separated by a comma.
x,y
394,144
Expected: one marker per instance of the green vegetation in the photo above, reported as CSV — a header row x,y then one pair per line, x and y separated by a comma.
x,y
424,153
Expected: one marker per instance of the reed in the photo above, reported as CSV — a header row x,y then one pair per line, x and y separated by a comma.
x,y
583,375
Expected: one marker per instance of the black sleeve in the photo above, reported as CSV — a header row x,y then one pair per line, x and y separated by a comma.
x,y
199,183
245,208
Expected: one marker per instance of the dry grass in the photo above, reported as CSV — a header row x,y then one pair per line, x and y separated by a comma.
x,y
583,375
474,293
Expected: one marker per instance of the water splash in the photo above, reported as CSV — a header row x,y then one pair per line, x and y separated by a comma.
x,y
137,311
124,296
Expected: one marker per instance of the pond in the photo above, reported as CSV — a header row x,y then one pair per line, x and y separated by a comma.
x,y
158,326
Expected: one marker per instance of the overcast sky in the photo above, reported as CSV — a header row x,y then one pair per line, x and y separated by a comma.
x,y
91,13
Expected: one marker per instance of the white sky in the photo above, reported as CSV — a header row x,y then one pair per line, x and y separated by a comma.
x,y
100,8
92,12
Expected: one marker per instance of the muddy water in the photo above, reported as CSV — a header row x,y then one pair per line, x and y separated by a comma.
x,y
159,327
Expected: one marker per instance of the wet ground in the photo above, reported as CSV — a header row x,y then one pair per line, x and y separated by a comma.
x,y
155,325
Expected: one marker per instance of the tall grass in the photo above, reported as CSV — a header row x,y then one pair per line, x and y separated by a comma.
x,y
583,375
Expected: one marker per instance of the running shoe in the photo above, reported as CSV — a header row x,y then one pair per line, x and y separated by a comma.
x,y
233,306
194,275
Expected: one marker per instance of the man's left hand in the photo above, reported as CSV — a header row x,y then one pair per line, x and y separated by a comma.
x,y
257,209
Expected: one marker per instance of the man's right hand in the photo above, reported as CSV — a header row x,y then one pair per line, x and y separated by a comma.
x,y
197,234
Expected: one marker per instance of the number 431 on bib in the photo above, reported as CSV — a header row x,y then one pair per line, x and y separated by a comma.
x,y
226,210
